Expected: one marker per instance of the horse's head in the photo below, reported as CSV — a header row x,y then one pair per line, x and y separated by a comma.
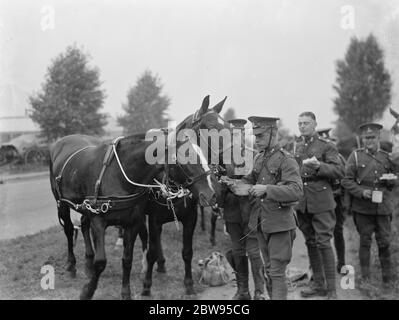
x,y
191,171
206,118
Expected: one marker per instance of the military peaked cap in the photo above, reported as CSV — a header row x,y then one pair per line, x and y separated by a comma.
x,y
261,124
238,123
370,129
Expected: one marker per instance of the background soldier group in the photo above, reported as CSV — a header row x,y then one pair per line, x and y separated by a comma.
x,y
308,193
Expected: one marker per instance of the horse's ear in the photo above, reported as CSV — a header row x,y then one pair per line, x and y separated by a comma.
x,y
394,113
204,106
217,108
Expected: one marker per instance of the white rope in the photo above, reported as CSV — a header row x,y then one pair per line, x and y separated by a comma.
x,y
123,171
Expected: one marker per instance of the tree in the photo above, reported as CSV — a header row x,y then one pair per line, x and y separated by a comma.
x,y
146,106
363,84
230,114
71,97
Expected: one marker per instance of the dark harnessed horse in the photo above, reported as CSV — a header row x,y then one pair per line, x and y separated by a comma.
x,y
108,184
184,209
209,118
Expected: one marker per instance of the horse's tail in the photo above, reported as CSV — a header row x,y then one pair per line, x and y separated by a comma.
x,y
54,190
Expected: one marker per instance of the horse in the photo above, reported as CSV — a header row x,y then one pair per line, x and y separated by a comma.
x,y
184,209
92,178
208,118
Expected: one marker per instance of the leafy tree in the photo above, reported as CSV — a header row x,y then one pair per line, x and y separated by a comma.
x,y
363,84
230,114
71,97
146,106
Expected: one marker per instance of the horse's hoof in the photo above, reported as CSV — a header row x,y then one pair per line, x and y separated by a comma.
x,y
71,273
161,269
126,297
146,292
85,293
190,291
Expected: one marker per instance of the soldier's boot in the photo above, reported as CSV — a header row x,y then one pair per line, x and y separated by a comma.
x,y
268,282
257,269
279,288
316,287
328,258
242,293
386,266
364,257
339,244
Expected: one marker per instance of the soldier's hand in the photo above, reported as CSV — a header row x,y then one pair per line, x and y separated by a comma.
x,y
367,194
226,180
258,190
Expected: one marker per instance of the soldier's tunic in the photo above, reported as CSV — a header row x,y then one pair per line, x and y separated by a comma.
x,y
273,214
363,172
316,209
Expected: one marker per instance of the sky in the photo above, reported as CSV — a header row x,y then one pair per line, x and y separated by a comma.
x,y
269,57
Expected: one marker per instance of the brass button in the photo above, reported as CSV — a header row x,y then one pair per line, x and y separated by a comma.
x,y
261,200
305,184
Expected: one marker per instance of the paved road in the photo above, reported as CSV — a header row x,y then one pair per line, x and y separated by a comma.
x,y
26,207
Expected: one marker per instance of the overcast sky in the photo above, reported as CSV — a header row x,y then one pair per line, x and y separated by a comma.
x,y
270,57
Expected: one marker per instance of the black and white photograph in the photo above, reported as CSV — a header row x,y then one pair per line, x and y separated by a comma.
x,y
215,151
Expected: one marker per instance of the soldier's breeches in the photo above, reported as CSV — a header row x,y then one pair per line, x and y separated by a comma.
x,y
366,225
318,229
278,255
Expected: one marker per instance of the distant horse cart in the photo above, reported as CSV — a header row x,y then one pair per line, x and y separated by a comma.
x,y
26,149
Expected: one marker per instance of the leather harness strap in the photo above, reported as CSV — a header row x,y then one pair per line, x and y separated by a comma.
x,y
97,204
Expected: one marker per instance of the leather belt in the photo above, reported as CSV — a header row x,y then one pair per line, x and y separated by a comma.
x,y
311,179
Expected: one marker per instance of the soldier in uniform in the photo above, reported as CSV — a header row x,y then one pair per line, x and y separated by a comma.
x,y
320,164
371,204
339,241
276,185
236,217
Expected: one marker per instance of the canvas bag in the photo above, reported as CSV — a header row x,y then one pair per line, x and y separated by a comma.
x,y
214,270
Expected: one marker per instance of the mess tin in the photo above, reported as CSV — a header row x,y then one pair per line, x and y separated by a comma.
x,y
376,196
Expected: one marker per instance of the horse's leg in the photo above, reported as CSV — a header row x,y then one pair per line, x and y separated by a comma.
x,y
64,215
143,234
129,237
89,252
202,218
214,218
97,226
119,241
187,252
152,254
160,257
